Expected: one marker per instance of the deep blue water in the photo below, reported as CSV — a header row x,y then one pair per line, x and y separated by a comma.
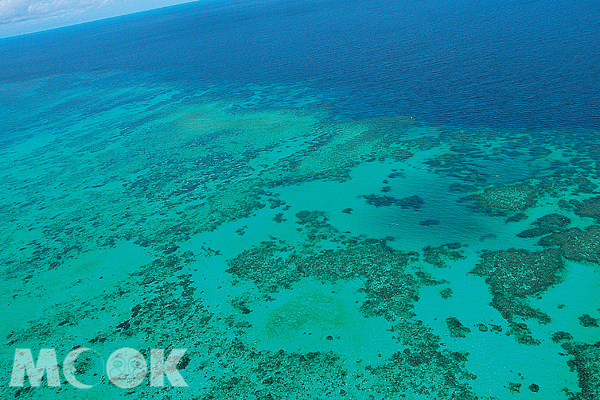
x,y
494,63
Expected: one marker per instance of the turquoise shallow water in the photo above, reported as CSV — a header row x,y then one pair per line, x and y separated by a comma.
x,y
293,254
372,213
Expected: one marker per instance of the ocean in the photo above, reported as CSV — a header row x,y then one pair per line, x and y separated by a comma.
x,y
302,200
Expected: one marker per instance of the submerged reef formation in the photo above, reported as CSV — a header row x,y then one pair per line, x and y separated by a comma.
x,y
426,373
545,225
588,208
513,275
390,290
506,199
576,244
414,202
247,372
456,328
439,256
586,361
154,216
455,165
588,321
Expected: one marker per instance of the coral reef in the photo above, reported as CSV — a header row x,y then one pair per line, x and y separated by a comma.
x,y
545,225
560,336
456,328
414,202
513,275
506,199
446,293
576,244
534,388
390,292
588,321
588,208
586,361
454,165
440,256
429,222
274,375
425,373
174,174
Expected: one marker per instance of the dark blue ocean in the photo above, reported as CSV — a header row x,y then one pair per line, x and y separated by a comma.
x,y
532,64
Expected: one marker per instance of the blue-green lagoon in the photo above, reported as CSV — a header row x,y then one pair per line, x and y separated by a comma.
x,y
297,239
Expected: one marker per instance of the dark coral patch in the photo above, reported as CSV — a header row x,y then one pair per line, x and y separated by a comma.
x,y
506,199
414,202
577,244
561,336
545,225
586,361
515,274
380,201
456,328
520,272
441,255
588,208
588,321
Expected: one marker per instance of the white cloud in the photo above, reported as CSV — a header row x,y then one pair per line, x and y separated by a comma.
x,y
18,17
22,10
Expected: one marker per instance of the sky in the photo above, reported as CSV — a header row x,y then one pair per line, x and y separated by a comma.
x,y
19,17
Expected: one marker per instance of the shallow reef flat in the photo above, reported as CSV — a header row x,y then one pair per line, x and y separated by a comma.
x,y
294,253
